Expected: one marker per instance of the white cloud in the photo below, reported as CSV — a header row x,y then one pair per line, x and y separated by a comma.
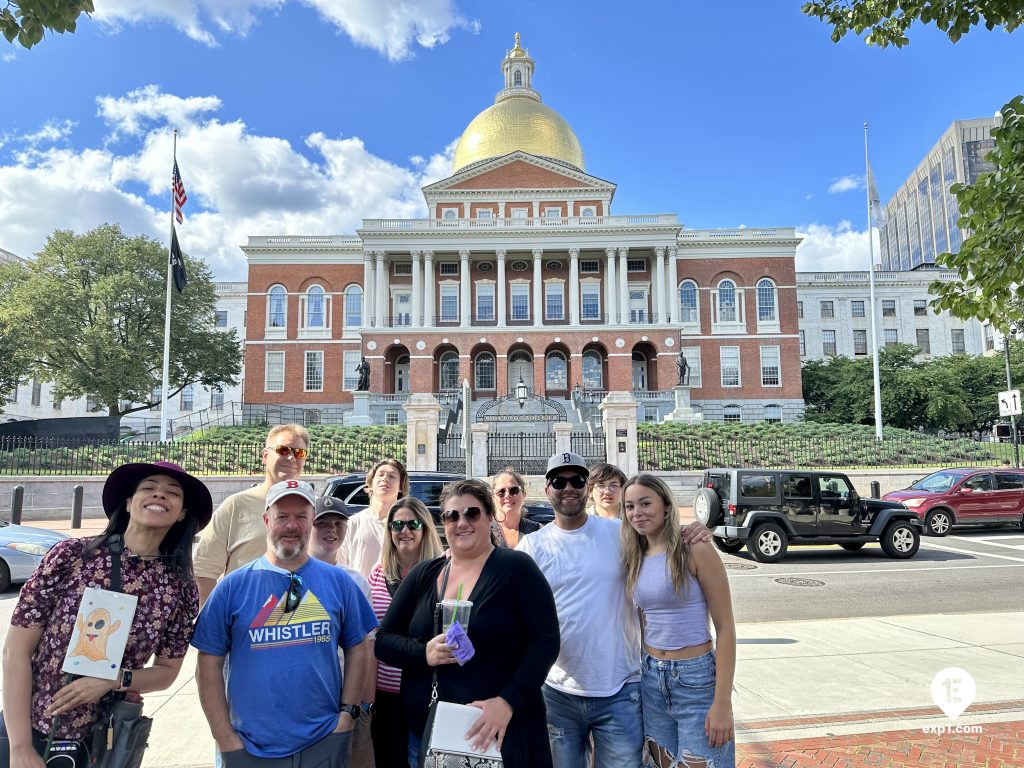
x,y
837,248
139,109
193,17
845,184
8,56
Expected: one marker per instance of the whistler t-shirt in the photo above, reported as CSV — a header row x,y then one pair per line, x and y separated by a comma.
x,y
273,653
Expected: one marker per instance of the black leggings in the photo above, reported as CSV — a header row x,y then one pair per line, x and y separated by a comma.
x,y
389,731
63,753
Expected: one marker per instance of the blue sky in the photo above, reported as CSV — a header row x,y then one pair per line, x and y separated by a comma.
x,y
305,117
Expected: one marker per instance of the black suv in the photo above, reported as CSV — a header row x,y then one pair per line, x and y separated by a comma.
x,y
766,510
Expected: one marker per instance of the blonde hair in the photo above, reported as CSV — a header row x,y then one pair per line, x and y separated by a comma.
x,y
296,429
634,546
430,544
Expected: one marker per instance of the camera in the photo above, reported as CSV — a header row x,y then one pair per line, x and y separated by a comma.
x,y
66,753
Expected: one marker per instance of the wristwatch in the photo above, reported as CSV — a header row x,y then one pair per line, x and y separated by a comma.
x,y
352,710
126,680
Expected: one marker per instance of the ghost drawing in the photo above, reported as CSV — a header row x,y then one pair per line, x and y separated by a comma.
x,y
93,633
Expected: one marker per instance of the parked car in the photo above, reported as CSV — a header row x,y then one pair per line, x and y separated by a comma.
x,y
767,510
21,549
965,497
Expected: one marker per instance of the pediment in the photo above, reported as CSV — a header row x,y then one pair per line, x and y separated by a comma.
x,y
519,171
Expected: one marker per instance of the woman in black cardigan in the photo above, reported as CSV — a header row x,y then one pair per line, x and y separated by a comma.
x,y
513,626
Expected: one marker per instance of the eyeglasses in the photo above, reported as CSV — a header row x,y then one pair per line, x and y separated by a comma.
x,y
294,595
398,525
576,481
608,487
469,514
513,491
287,450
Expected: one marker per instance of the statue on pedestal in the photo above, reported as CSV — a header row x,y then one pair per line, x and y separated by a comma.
x,y
684,369
363,369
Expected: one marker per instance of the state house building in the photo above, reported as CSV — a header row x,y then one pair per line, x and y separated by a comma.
x,y
521,270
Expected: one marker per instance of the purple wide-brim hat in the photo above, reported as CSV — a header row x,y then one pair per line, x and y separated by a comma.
x,y
122,483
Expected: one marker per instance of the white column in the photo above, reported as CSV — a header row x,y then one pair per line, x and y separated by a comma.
x,y
672,285
623,285
538,289
429,289
381,300
501,288
464,293
417,291
369,288
611,288
574,286
657,290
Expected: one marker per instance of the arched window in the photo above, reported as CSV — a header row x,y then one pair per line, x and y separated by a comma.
x,y
277,304
449,373
732,413
556,371
314,307
688,312
727,301
449,213
517,78
593,374
484,371
766,301
353,306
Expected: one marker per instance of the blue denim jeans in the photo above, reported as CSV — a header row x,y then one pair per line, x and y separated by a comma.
x,y
614,722
676,698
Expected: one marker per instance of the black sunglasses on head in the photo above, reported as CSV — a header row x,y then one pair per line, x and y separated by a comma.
x,y
469,513
576,481
398,525
294,593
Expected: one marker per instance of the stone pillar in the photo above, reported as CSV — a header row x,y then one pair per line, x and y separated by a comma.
x,y
538,289
422,416
672,284
501,289
417,291
683,411
360,410
464,292
429,289
381,299
479,449
610,287
618,416
574,286
563,437
658,287
369,289
623,285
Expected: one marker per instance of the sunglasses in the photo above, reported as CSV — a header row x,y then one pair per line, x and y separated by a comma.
x,y
513,491
576,481
287,450
469,514
398,525
294,594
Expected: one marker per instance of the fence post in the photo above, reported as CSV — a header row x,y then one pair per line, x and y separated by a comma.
x,y
17,499
876,489
78,494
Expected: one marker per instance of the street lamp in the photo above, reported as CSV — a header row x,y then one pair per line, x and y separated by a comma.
x,y
521,392
1013,330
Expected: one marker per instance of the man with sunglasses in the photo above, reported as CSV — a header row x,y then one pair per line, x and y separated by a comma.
x,y
236,535
279,621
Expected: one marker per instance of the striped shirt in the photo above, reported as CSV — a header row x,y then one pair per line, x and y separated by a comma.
x,y
388,678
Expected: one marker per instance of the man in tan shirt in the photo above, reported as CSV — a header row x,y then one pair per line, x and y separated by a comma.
x,y
236,535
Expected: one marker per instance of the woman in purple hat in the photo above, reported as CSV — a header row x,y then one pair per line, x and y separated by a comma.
x,y
155,510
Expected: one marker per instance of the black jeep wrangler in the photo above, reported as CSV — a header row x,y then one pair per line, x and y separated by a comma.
x,y
766,510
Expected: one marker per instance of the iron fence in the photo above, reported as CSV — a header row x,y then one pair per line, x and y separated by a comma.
x,y
451,453
526,452
591,446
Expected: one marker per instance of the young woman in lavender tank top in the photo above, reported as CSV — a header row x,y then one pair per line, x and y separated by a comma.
x,y
686,680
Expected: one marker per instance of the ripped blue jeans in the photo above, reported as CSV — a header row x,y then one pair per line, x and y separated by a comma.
x,y
676,696
614,721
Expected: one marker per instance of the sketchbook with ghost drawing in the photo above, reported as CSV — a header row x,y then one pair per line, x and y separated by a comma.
x,y
450,725
101,633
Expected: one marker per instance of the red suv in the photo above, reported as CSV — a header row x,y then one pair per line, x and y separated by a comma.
x,y
965,497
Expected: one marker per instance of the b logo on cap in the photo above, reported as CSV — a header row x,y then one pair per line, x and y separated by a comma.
x,y
292,484
566,458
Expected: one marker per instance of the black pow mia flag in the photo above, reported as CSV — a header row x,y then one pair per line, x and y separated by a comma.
x,y
177,263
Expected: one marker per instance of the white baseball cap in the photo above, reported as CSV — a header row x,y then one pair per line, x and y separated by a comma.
x,y
290,488
567,461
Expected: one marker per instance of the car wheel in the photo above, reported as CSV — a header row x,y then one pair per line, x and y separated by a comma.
x,y
729,546
707,509
5,577
900,540
768,543
937,522
853,546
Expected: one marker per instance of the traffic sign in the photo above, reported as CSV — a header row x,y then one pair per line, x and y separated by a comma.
x,y
1009,403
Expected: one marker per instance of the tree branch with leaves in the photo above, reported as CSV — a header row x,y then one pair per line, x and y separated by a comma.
x,y
27,20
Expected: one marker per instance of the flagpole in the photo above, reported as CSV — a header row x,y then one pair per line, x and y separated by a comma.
x,y
874,310
167,315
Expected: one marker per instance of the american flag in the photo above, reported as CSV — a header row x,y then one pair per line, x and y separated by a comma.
x,y
178,193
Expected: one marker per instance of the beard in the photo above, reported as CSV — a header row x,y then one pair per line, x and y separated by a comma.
x,y
286,551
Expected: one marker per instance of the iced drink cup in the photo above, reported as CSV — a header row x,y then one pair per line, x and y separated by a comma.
x,y
455,610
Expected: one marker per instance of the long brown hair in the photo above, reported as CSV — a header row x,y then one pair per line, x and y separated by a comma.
x,y
634,546
403,476
430,544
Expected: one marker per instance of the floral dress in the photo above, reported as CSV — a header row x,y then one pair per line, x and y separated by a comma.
x,y
168,603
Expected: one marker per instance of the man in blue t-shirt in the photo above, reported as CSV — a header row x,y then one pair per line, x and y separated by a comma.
x,y
278,622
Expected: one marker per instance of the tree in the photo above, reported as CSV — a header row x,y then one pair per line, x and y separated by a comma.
x,y
13,362
887,21
91,308
27,20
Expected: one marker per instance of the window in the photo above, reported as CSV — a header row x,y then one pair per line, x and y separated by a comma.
x,y
920,307
349,362
37,391
91,404
957,340
449,371
638,306
403,310
692,355
402,268
188,395
451,213
990,339
727,302
485,301
766,301
216,399
803,345
588,212
800,309
589,267
314,315
277,305
449,303
860,342
771,367
520,213
857,308
773,414
449,268
484,213
553,301
391,417
797,487
760,486
888,307
154,397
483,371
636,265
520,301
593,372
923,341
353,306
1006,481
828,343
220,318
652,414
688,312
732,413
828,309
833,487
273,376
517,78
892,336
552,213
729,358
590,301
555,371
